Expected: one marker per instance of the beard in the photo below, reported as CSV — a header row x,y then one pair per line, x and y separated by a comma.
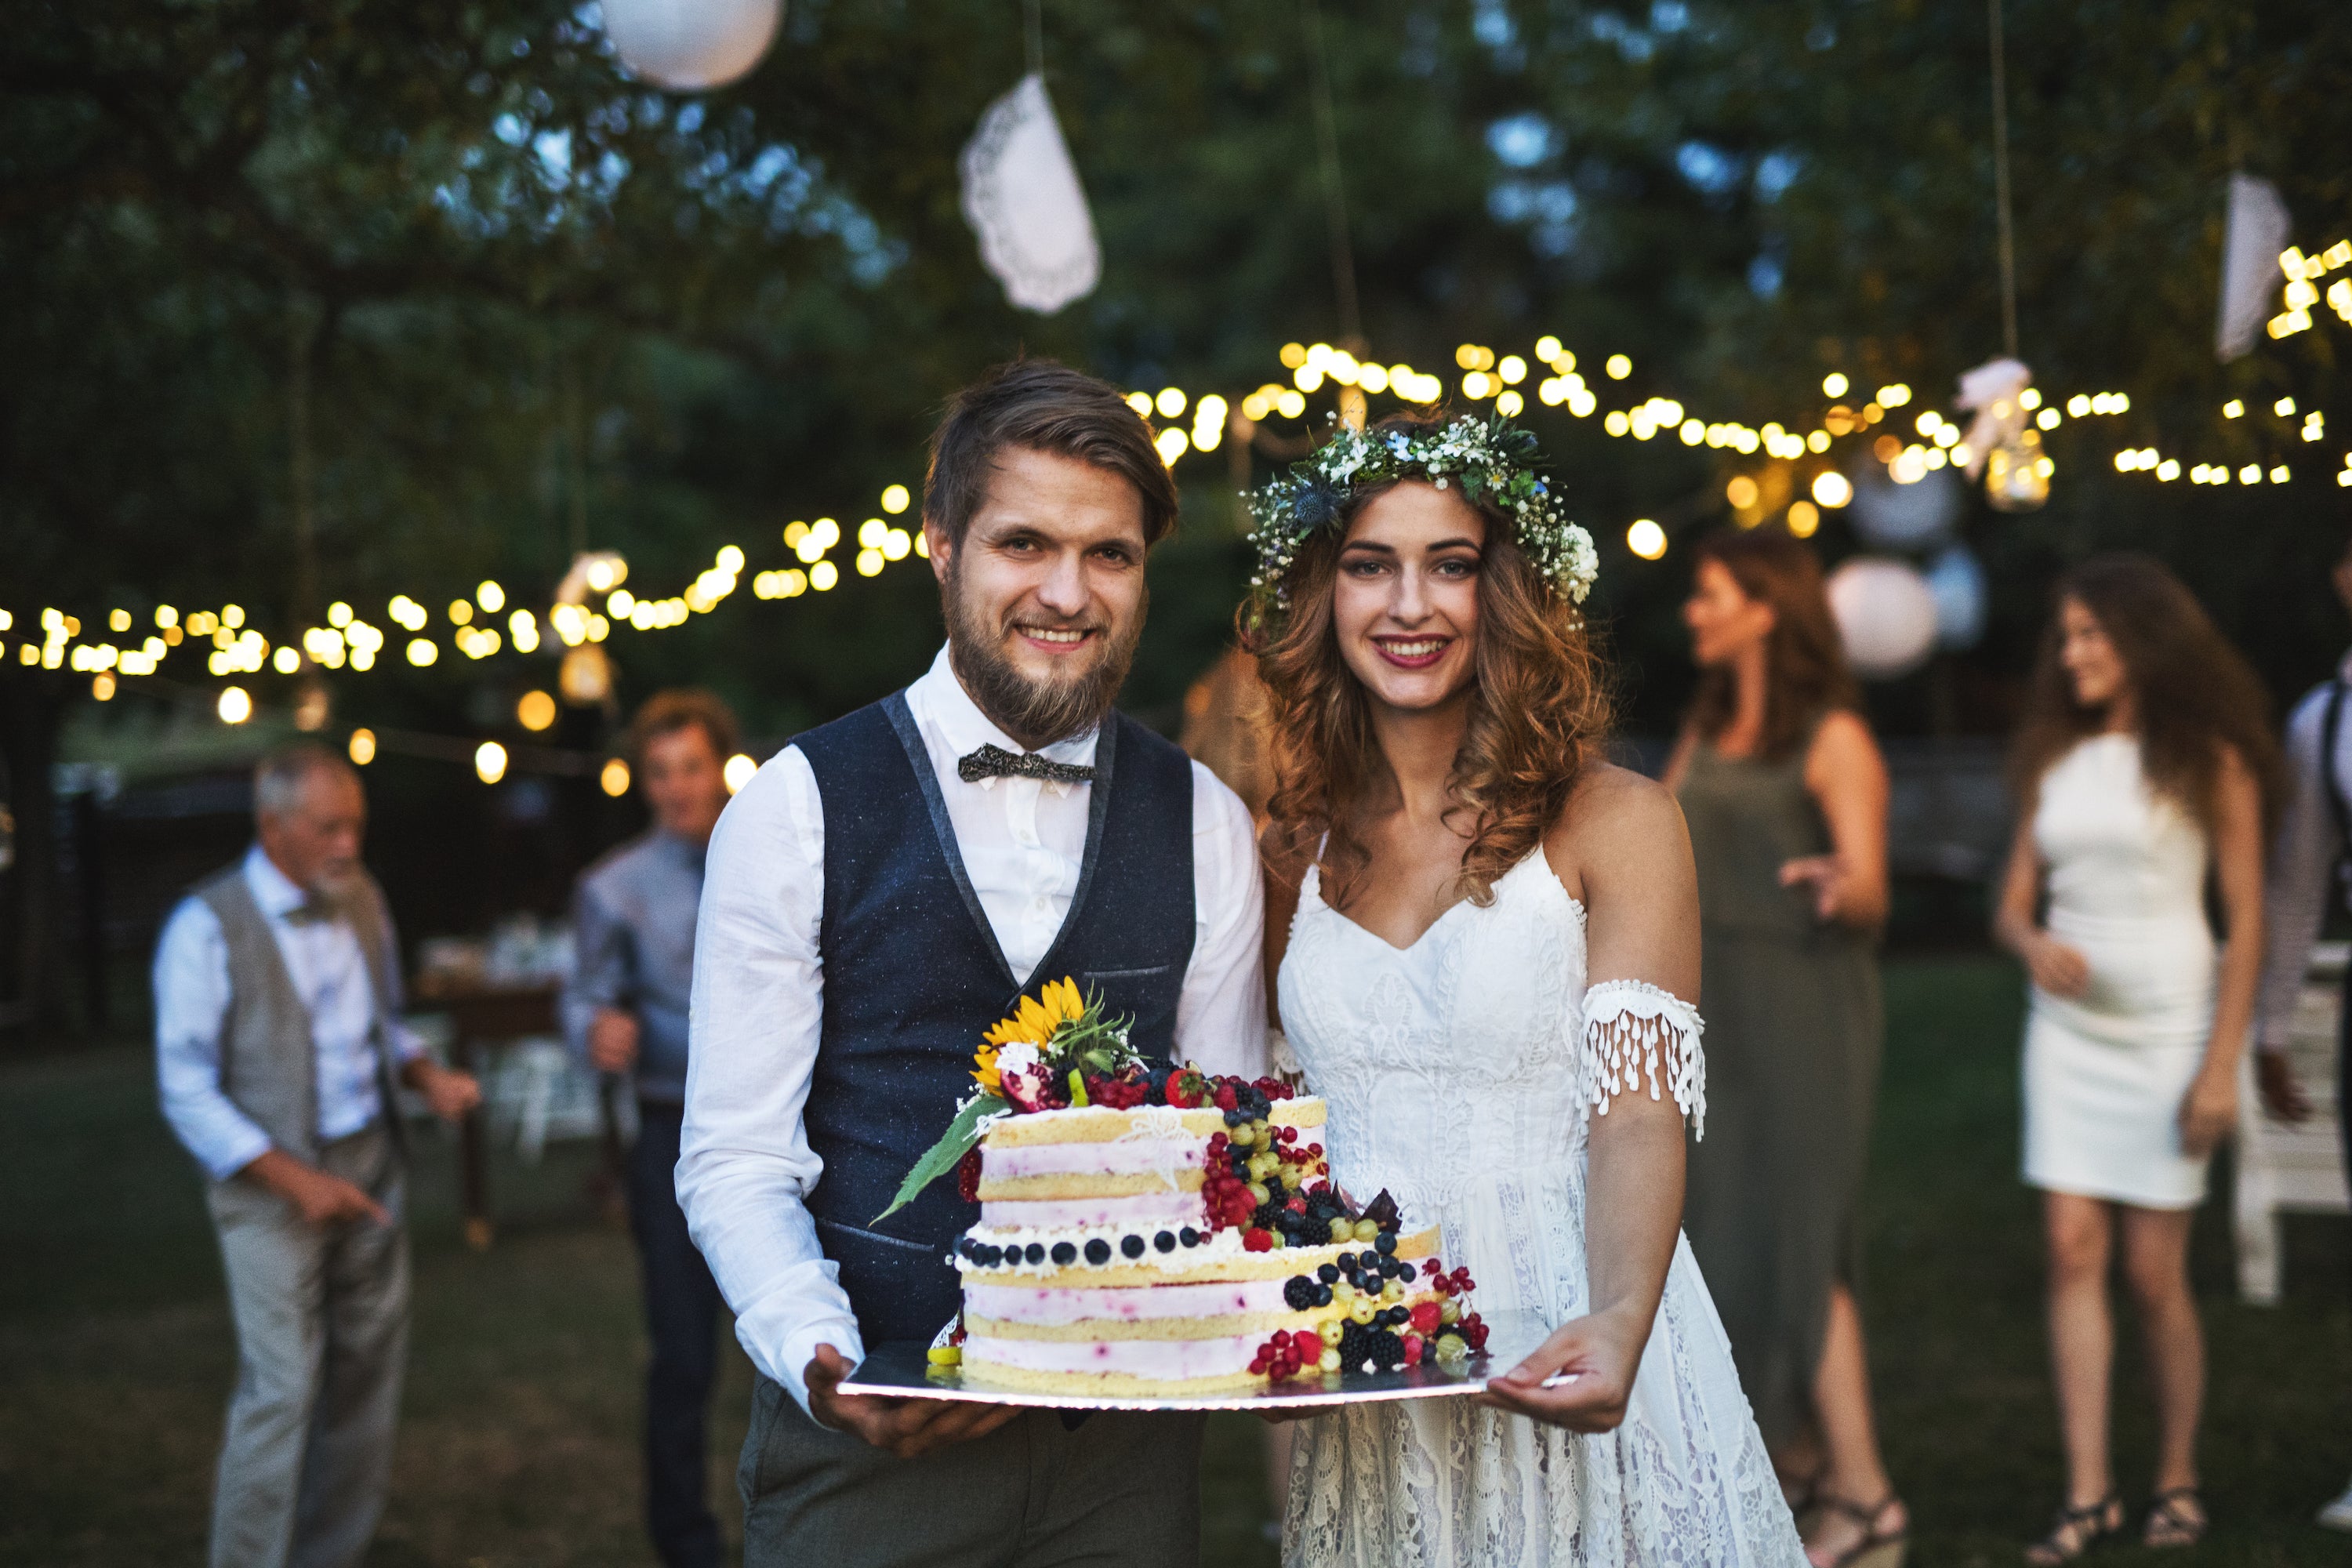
x,y
1037,713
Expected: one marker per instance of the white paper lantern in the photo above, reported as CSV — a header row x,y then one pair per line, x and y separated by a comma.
x,y
691,45
1885,615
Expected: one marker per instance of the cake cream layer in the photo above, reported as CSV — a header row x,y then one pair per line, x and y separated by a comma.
x,y
1123,1157
1068,1185
1221,1257
1097,1124
1142,1211
1107,1385
1064,1304
1155,1360
1210,1328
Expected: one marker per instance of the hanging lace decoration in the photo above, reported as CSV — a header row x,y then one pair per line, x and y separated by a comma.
x,y
2258,231
2001,445
1022,196
1637,1036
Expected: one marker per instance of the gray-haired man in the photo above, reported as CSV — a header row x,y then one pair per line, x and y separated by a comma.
x,y
278,1040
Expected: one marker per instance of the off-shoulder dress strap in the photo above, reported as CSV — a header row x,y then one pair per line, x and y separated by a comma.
x,y
1638,1036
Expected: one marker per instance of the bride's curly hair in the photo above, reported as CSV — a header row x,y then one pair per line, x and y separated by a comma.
x,y
1539,711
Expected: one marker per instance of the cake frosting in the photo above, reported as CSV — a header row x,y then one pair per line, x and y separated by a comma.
x,y
1161,1249
1151,1229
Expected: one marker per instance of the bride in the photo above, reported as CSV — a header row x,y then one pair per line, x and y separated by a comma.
x,y
1491,937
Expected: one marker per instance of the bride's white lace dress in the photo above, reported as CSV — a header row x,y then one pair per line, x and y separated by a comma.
x,y
1459,1073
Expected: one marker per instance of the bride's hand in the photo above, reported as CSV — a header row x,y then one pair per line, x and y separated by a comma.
x,y
1594,1358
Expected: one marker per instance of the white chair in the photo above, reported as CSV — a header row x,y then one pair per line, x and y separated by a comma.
x,y
2296,1166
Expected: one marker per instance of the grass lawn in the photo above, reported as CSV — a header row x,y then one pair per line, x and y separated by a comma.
x,y
519,1443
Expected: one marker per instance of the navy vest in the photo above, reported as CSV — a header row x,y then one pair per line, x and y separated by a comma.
x,y
913,976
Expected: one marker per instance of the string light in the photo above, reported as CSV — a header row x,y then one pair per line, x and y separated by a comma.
x,y
362,747
739,771
614,780
347,640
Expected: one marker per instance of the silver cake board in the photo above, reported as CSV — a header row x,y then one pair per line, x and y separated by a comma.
x,y
900,1369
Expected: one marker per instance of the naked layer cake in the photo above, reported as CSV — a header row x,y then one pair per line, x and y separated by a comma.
x,y
1154,1231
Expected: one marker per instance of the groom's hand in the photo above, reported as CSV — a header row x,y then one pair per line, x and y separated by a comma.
x,y
1594,1359
905,1427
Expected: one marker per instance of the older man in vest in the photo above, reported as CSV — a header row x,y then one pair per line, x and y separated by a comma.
x,y
878,896
278,1043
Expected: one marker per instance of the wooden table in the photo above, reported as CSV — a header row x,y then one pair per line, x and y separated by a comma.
x,y
484,1014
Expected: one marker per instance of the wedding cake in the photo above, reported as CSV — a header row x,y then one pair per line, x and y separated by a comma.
x,y
1154,1231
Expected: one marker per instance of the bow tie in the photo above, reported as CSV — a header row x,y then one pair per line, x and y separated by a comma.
x,y
311,912
996,762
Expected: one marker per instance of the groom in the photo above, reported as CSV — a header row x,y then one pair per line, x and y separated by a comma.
x,y
876,898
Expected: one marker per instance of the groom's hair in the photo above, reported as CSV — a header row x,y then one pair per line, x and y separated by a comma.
x,y
1044,407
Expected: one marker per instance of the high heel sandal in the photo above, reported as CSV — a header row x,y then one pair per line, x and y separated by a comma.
x,y
2075,1531
1877,1547
2169,1524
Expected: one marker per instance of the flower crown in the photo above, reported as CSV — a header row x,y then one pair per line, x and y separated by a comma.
x,y
1493,459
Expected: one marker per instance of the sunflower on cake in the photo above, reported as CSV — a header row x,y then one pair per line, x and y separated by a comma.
x,y
1150,1230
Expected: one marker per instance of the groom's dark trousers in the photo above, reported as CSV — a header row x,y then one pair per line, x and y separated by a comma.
x,y
1121,1487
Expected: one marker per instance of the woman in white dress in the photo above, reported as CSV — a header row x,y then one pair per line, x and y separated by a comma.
x,y
2145,763
1485,936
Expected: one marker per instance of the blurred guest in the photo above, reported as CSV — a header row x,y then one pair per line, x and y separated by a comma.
x,y
278,1042
2306,876
626,1009
1785,794
2144,763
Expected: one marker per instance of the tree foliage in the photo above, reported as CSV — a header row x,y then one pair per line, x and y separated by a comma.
x,y
547,302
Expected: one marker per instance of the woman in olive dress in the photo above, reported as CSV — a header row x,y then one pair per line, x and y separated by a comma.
x,y
1785,793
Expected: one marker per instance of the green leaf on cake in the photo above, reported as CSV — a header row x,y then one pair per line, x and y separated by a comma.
x,y
953,1144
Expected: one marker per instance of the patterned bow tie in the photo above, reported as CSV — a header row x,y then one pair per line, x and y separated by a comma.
x,y
996,762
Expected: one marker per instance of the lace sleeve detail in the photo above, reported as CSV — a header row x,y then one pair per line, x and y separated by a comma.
x,y
1636,1032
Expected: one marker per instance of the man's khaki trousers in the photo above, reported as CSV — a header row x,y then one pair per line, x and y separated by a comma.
x,y
321,1316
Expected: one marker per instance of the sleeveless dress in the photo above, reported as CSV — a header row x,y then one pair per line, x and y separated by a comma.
x,y
1794,1029
1458,1074
2106,1071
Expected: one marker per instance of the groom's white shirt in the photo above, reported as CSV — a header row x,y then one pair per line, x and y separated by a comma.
x,y
745,1167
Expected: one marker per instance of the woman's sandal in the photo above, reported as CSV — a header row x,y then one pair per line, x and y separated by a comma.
x,y
1878,1548
1801,1494
2175,1518
2077,1529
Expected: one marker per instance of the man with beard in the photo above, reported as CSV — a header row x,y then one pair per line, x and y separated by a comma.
x,y
278,1040
875,899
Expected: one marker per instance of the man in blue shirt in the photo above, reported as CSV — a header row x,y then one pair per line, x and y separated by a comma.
x,y
626,1011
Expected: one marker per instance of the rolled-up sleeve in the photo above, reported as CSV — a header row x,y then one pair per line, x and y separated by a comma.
x,y
191,997
745,1168
1221,1008
2303,863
